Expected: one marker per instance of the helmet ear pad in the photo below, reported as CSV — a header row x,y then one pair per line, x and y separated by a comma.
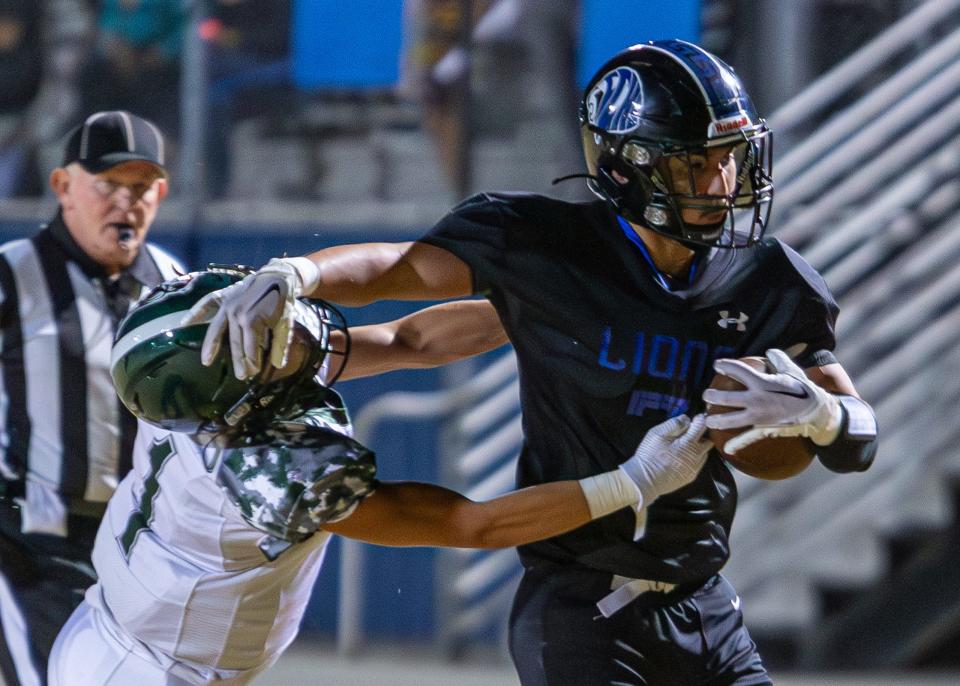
x,y
634,190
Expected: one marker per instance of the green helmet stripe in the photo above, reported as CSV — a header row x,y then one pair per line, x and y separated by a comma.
x,y
146,331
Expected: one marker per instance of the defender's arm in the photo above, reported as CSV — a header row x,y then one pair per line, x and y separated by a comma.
x,y
416,514
430,337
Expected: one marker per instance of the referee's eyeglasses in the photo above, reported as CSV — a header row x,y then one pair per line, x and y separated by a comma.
x,y
107,188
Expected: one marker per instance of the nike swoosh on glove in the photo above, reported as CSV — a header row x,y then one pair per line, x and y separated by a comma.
x,y
780,404
261,304
669,457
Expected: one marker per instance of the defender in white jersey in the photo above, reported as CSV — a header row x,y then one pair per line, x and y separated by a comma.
x,y
211,545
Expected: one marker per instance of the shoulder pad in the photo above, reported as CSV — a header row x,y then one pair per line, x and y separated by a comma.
x,y
292,485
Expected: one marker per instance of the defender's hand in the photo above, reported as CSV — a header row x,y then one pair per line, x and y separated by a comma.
x,y
260,304
779,404
669,457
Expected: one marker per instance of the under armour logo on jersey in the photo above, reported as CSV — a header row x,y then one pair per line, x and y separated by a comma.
x,y
726,321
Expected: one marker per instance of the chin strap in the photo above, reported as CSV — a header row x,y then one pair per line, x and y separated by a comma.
x,y
615,200
561,179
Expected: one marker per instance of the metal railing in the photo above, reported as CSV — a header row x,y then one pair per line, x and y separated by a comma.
x,y
872,196
837,82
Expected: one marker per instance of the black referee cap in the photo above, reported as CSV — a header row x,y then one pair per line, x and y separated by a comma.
x,y
107,139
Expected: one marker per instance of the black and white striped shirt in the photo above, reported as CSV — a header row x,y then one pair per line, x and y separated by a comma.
x,y
64,436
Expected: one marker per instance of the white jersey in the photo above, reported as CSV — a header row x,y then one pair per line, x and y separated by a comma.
x,y
181,570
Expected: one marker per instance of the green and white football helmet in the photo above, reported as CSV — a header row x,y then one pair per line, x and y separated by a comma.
x,y
158,375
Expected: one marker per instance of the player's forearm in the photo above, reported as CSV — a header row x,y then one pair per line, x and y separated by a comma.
x,y
357,275
855,446
416,514
524,516
430,337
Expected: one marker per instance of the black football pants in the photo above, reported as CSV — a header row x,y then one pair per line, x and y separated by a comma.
x,y
559,638
42,580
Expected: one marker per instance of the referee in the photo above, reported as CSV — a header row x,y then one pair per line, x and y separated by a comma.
x,y
65,440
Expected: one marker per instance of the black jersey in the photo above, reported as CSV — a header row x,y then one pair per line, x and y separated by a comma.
x,y
605,352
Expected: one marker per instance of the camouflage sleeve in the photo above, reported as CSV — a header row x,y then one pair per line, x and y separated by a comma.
x,y
289,488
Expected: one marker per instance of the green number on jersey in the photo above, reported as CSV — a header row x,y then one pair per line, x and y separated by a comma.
x,y
140,518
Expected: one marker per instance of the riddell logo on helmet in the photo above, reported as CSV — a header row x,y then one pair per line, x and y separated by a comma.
x,y
729,125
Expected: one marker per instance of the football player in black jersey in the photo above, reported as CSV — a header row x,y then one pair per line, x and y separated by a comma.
x,y
619,311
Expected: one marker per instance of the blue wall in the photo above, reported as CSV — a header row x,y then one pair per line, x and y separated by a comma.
x,y
609,26
343,45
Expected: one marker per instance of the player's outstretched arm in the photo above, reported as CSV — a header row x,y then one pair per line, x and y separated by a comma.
x,y
258,311
429,337
415,514
356,275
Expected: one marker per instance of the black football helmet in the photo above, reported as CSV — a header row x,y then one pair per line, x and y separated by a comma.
x,y
656,108
158,375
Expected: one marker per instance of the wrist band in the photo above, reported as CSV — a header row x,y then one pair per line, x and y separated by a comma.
x,y
308,271
856,445
829,433
861,423
609,492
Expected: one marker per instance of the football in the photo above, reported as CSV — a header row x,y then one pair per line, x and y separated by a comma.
x,y
769,458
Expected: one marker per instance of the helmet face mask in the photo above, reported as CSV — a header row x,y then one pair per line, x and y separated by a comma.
x,y
651,120
158,375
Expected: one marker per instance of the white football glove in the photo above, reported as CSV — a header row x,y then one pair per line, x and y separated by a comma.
x,y
261,303
780,404
669,457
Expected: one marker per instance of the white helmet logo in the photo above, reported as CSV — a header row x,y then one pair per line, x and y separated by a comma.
x,y
615,102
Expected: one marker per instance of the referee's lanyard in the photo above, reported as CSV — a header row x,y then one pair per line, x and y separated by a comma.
x,y
661,278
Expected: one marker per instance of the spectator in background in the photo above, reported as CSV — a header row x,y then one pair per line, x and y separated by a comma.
x,y
548,30
136,61
435,70
520,55
42,46
248,55
21,64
